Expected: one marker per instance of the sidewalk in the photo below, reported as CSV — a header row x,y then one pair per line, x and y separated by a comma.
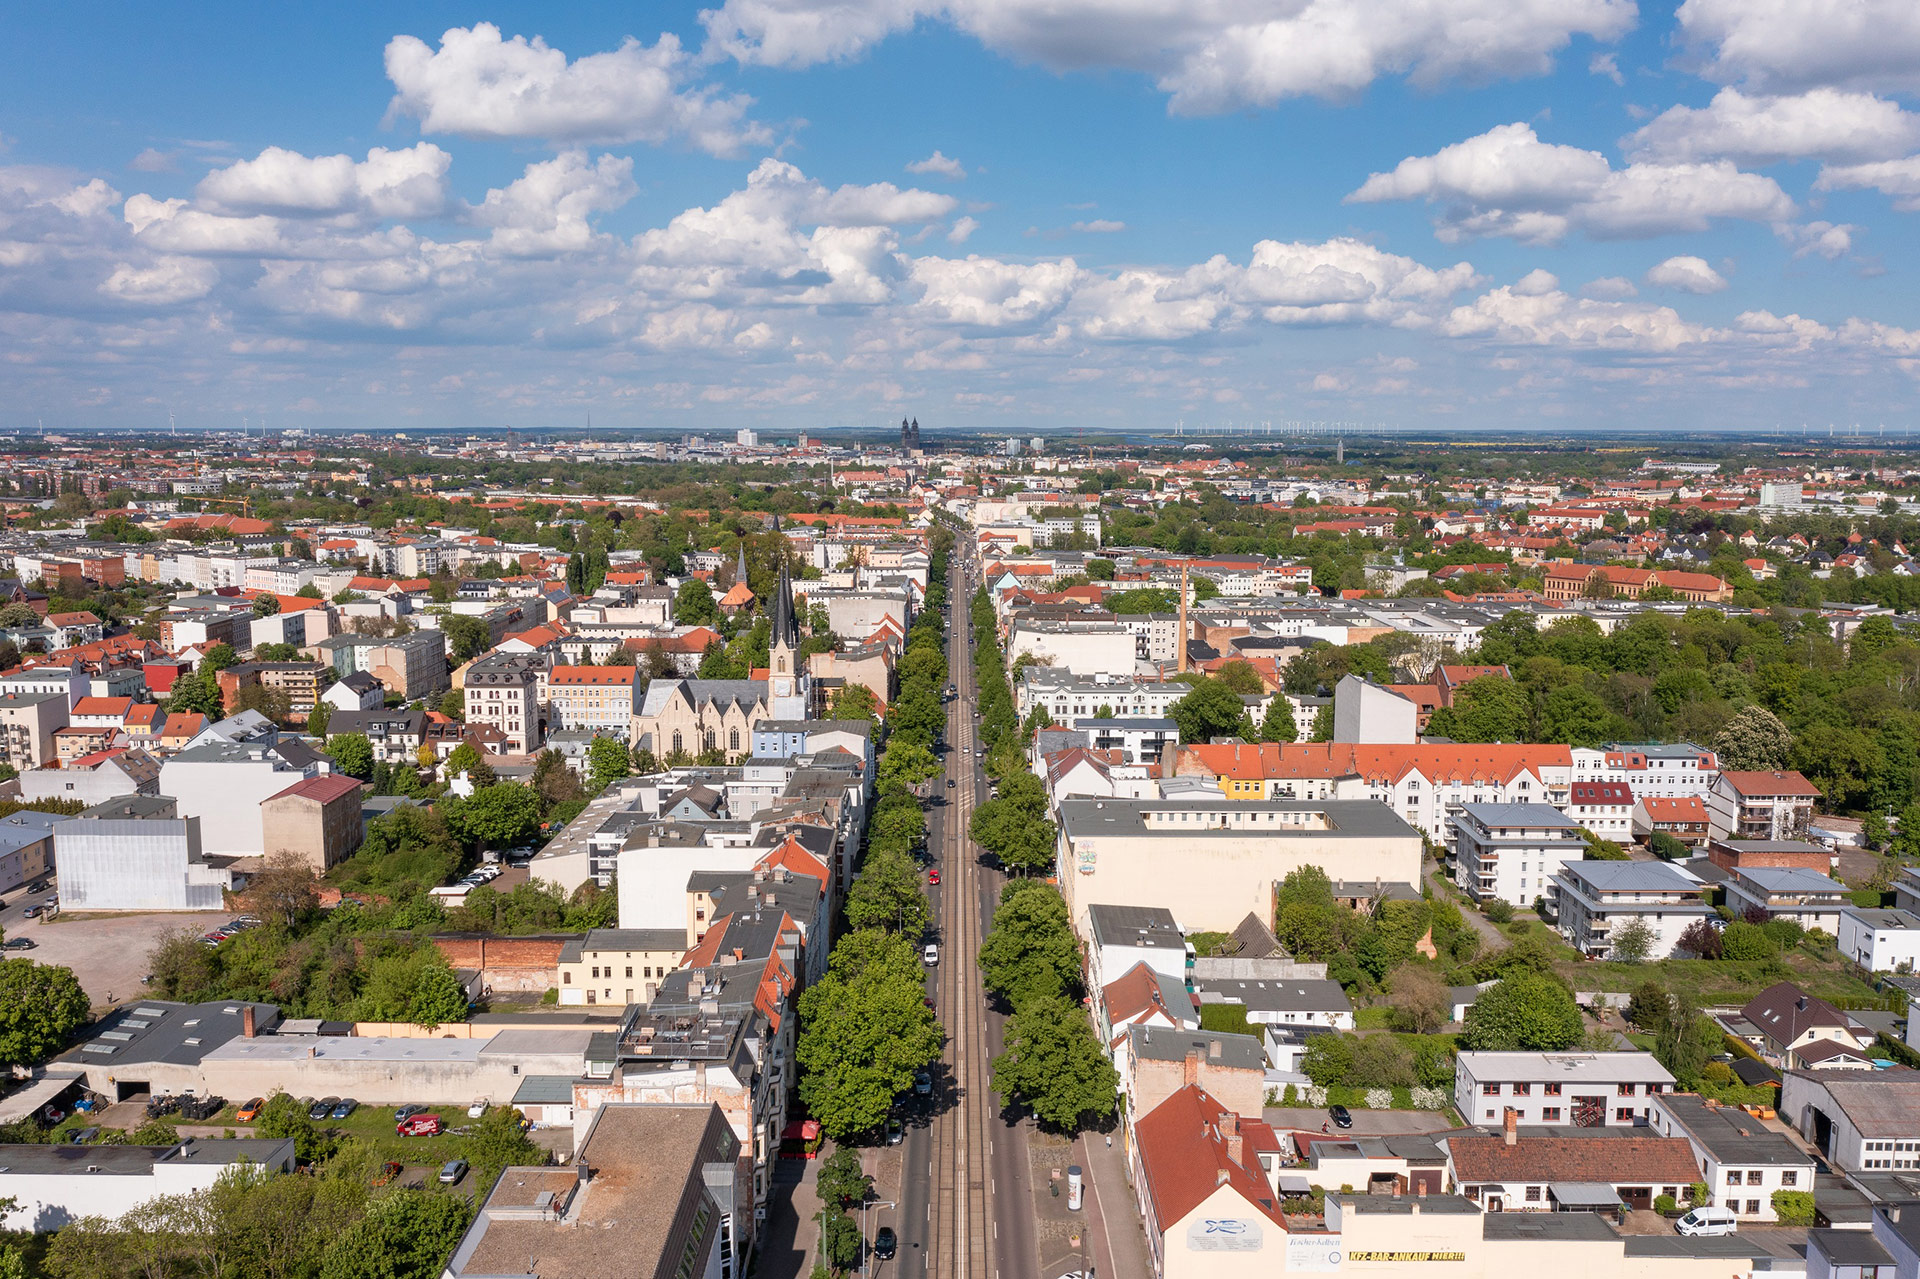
x,y
1119,1244
789,1235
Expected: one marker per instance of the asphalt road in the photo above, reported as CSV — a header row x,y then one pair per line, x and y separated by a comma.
x,y
963,1208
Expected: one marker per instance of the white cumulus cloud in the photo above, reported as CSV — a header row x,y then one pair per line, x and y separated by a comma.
x,y
1780,46
546,210
1687,274
1210,57
1099,226
166,281
1508,182
407,183
478,84
1897,178
943,165
1829,124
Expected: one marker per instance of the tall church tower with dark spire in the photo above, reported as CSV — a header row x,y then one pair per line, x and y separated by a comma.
x,y
790,688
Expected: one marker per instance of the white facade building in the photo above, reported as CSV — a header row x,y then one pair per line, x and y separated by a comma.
x,y
1512,851
1591,900
1582,1089
1880,941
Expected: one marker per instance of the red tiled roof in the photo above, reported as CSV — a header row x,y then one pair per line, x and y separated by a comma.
x,y
595,675
325,788
1771,783
1182,1144
1665,1160
103,706
1602,793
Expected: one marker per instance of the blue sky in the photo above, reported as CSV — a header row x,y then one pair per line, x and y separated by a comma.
x,y
990,213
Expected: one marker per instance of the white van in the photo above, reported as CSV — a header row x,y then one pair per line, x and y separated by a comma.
x,y
1708,1221
931,955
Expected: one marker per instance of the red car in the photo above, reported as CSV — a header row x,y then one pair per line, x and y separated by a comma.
x,y
933,876
418,1126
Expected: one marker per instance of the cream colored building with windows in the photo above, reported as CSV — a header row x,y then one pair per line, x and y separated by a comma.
x,y
619,966
1210,861
689,717
598,699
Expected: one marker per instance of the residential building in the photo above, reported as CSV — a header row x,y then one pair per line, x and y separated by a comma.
x,y
1160,1063
1197,1164
1294,1001
1070,698
301,682
1761,805
395,735
1592,900
136,853
359,691
1742,1161
1789,1022
616,966
413,665
598,699
1211,861
1582,1089
1806,897
1512,852
1139,739
1141,997
1605,808
1121,936
94,779
26,847
657,1190
47,1187
1551,1173
1880,941
1683,819
317,819
28,722
503,691
1859,1120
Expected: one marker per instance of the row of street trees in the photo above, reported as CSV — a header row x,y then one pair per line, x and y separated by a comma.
x,y
866,1027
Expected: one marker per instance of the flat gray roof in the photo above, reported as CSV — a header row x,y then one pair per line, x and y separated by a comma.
x,y
1345,818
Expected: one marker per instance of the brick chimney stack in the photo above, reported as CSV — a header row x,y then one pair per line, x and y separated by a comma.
x,y
1190,1070
1512,1125
246,1021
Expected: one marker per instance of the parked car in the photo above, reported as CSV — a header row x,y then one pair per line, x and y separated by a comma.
x,y
81,1136
1708,1221
418,1126
452,1171
31,912
933,876
896,1132
346,1106
922,1083
1341,1116
885,1244
403,1113
477,1110
38,886
20,943
322,1109
250,1111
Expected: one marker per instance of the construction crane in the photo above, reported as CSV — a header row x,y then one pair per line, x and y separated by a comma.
x,y
244,503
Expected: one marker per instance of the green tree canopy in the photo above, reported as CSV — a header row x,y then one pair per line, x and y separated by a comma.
x,y
865,1029
1523,1012
1053,1063
352,754
40,1006
1211,710
1030,952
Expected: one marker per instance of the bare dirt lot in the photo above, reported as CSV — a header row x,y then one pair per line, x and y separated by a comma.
x,y
108,953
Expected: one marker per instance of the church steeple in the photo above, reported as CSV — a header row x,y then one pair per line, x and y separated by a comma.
x,y
740,569
791,688
786,627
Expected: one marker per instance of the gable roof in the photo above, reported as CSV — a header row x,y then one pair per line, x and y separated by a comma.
x,y
1184,1156
323,789
1775,782
1786,1012
1478,1160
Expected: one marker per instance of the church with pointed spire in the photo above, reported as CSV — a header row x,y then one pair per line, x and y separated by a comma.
x,y
789,687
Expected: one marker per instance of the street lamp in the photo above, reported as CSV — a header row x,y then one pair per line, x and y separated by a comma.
x,y
864,1205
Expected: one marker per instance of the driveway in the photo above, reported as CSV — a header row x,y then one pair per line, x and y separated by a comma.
x,y
1366,1123
1491,938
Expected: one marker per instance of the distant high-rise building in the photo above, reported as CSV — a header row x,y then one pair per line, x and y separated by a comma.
x,y
1037,444
746,437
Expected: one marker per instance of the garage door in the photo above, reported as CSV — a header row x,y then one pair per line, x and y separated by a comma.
x,y
1637,1196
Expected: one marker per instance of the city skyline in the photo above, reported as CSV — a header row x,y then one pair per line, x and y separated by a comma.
x,y
992,214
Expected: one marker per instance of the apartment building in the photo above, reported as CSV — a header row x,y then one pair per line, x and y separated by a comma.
x,y
503,692
1605,808
1512,851
1761,805
1741,1161
596,699
1592,900
1582,1089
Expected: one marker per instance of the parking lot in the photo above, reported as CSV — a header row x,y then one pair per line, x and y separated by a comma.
x,y
108,953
